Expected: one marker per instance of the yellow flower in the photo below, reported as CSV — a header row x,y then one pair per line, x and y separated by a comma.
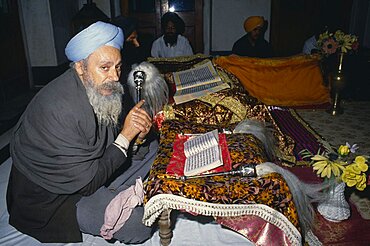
x,y
330,43
352,179
339,35
325,167
344,40
338,164
361,185
353,168
343,150
361,162
324,36
346,44
353,174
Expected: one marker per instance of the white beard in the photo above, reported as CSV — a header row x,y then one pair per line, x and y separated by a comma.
x,y
106,108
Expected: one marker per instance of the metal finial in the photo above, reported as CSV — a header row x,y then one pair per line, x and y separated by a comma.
x,y
139,79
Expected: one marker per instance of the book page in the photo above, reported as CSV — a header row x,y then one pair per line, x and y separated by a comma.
x,y
203,161
200,142
194,77
176,165
197,82
202,153
189,94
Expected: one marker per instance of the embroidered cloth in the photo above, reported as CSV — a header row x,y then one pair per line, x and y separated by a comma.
x,y
223,108
267,197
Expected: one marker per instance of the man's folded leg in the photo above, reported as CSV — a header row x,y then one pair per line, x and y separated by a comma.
x,y
140,165
91,209
91,218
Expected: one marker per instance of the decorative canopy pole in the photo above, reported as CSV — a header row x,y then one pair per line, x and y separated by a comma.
x,y
337,83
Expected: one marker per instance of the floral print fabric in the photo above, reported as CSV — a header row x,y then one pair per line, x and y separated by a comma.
x,y
270,190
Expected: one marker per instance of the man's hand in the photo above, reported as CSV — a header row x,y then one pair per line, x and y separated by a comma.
x,y
137,122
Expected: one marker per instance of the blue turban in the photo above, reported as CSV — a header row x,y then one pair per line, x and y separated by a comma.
x,y
92,38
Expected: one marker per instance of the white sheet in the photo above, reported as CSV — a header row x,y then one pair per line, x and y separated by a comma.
x,y
186,232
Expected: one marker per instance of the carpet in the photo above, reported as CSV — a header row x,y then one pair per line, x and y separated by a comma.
x,y
352,126
353,231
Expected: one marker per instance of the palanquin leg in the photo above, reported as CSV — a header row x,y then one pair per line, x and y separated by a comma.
x,y
165,231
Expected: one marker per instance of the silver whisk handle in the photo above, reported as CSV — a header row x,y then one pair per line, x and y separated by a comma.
x,y
139,80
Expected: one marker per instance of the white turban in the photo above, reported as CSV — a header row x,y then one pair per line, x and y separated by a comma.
x,y
93,37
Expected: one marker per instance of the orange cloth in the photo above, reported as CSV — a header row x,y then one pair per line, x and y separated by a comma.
x,y
288,81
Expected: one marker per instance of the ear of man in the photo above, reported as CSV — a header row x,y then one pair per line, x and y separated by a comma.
x,y
79,67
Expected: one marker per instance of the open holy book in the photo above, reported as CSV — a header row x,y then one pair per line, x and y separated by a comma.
x,y
202,153
176,166
196,82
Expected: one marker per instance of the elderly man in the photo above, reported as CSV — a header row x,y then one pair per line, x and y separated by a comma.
x,y
171,43
253,43
70,141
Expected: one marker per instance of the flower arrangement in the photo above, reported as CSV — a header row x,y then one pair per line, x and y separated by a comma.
x,y
341,165
330,43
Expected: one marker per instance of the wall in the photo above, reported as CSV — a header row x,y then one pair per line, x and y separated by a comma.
x,y
366,41
206,26
360,22
227,19
39,30
62,13
105,6
47,24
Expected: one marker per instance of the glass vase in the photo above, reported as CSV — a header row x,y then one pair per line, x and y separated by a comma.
x,y
335,208
337,81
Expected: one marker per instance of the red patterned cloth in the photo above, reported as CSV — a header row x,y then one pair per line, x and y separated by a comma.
x,y
256,229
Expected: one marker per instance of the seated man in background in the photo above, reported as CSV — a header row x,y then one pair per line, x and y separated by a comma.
x,y
70,141
136,48
171,43
310,45
253,44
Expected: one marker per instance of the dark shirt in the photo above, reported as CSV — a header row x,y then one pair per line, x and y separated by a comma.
x,y
134,55
243,47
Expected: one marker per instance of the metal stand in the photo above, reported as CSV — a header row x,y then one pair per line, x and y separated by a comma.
x,y
337,83
335,108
